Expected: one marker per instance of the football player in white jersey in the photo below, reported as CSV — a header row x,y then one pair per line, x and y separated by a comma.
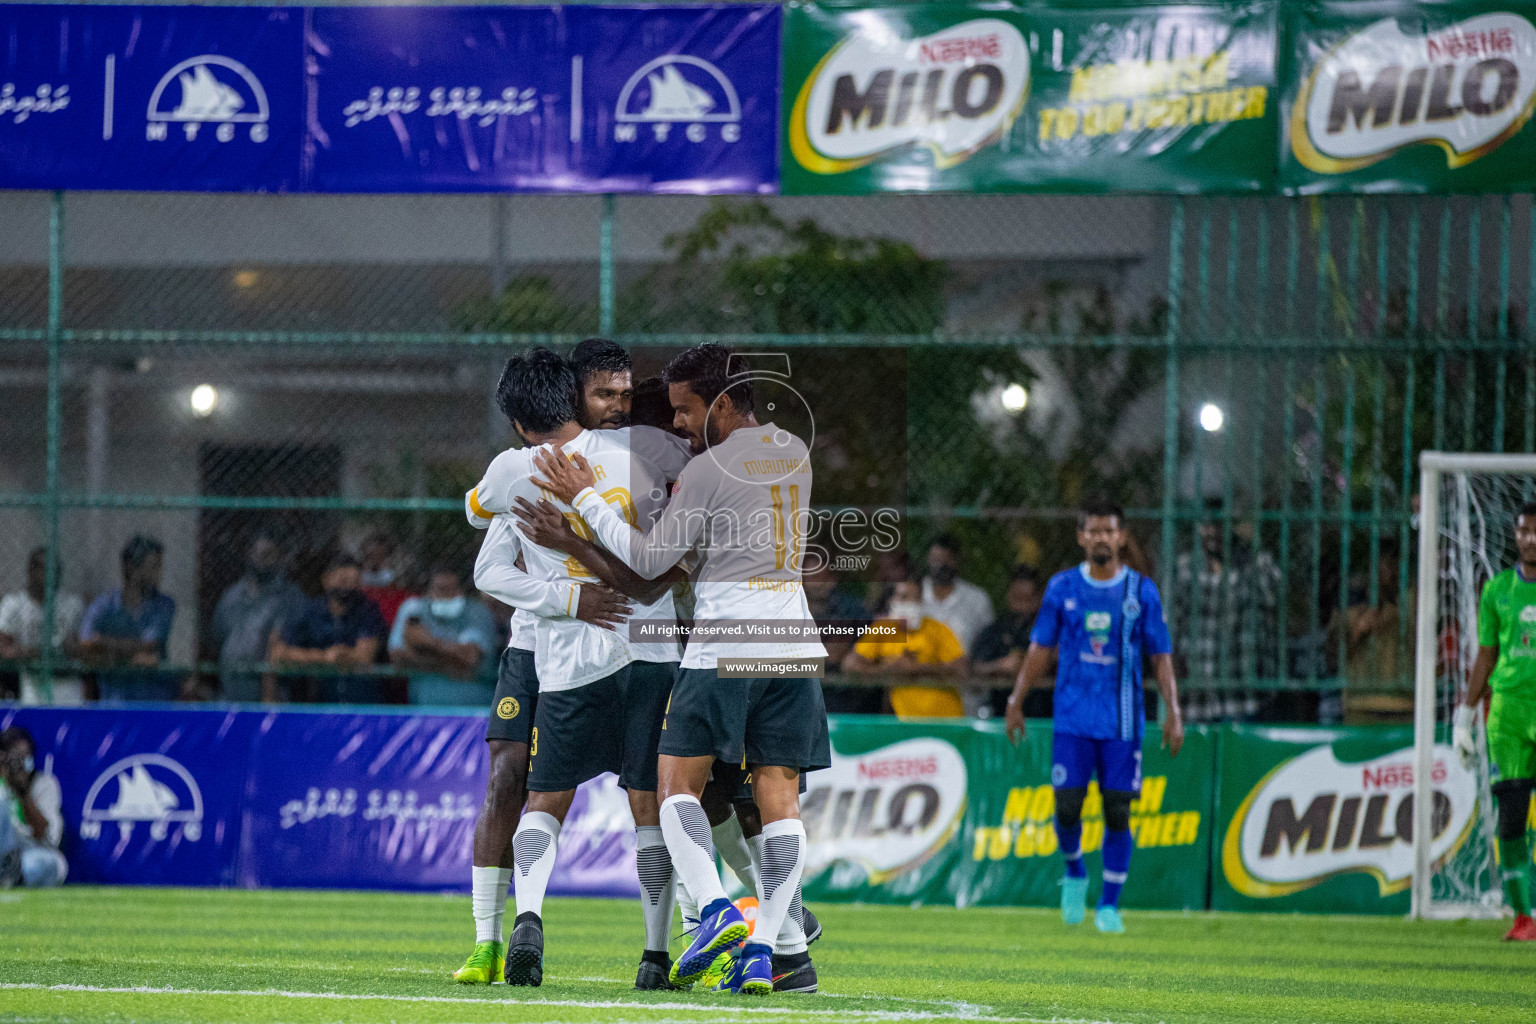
x,y
741,508
499,571
587,684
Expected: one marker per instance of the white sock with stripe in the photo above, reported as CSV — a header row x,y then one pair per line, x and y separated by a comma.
x,y
654,865
686,828
488,901
783,864
533,854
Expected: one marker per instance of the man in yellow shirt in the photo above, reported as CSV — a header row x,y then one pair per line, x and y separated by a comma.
x,y
930,651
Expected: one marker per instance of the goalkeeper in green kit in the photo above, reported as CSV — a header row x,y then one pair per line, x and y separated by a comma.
x,y
1506,664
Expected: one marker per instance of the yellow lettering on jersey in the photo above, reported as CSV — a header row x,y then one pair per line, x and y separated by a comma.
x,y
598,474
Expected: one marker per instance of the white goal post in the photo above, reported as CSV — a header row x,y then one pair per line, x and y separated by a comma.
x,y
1467,506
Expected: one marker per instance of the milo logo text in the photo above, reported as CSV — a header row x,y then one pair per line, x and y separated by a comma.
x,y
954,91
1467,88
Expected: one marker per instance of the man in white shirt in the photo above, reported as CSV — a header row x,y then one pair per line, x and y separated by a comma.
x,y
500,571
962,606
21,632
595,713
741,509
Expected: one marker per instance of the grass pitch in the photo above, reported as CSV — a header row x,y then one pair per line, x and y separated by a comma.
x,y
199,955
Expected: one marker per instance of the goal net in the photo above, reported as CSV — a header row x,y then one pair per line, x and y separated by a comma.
x,y
1468,505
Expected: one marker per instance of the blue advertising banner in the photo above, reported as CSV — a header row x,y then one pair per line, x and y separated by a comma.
x,y
151,796
678,99
167,98
362,801
218,796
390,99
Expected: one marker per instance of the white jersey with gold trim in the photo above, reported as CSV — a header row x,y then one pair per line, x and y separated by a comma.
x,y
569,653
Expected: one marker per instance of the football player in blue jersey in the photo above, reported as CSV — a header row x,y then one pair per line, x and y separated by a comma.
x,y
1102,619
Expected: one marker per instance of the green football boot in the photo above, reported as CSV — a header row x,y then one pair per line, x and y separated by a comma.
x,y
484,965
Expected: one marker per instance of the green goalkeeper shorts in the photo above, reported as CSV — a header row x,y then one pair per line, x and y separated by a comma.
x,y
1512,738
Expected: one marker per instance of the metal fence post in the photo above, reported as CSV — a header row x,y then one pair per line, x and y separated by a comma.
x,y
1171,390
51,485
605,271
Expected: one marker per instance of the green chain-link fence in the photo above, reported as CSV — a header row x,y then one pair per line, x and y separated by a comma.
x,y
354,342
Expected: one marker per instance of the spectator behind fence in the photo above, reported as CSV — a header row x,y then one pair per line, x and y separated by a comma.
x,y
379,580
1378,647
21,632
128,629
445,639
1224,612
962,606
340,629
829,602
930,650
248,613
1000,648
31,816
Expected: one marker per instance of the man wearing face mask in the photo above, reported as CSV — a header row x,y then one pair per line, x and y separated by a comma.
x,y
31,816
444,639
247,615
339,629
928,650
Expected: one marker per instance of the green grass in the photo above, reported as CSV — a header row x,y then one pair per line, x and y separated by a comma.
x,y
79,954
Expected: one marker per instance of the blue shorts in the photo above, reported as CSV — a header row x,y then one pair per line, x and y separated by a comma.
x,y
1075,759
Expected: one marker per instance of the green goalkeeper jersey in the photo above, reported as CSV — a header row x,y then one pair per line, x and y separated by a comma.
x,y
1506,618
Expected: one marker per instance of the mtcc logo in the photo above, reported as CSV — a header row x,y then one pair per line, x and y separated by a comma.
x,y
678,89
149,788
209,89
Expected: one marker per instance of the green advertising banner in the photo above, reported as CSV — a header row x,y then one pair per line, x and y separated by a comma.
x,y
989,97
1322,819
1409,97
955,814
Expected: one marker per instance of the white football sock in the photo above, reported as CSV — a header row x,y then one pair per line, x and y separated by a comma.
x,y
783,864
488,901
654,865
533,853
685,904
792,932
736,850
686,828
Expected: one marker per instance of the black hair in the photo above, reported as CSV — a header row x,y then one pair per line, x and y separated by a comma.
x,y
138,550
1024,573
948,541
445,568
1096,508
598,355
14,735
342,561
1528,509
706,369
651,407
537,391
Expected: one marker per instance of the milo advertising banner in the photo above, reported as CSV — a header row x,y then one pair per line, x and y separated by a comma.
x,y
1322,820
955,814
988,97
1410,97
